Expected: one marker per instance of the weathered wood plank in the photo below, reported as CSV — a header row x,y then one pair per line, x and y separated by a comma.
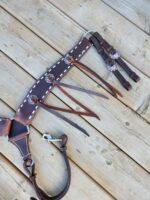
x,y
109,166
50,169
56,28
133,43
123,124
137,11
141,105
13,184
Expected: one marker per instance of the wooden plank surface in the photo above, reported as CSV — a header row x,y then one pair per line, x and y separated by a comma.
x,y
121,119
71,35
96,155
110,158
16,185
137,11
106,21
50,168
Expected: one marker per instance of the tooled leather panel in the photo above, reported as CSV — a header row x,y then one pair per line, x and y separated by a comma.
x,y
41,88
5,125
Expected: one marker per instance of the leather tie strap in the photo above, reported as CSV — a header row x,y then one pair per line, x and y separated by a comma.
x,y
113,54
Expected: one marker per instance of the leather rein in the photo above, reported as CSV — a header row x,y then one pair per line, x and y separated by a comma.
x,y
17,129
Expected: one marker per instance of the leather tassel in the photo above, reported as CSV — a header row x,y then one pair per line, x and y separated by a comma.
x,y
63,118
82,66
89,111
82,90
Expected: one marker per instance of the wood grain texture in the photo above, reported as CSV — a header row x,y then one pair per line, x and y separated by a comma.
x,y
96,155
65,39
50,169
13,184
124,125
106,158
39,16
132,43
137,11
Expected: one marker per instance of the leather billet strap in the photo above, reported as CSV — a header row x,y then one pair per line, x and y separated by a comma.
x,y
112,58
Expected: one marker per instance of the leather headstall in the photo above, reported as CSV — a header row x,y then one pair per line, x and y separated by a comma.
x,y
17,129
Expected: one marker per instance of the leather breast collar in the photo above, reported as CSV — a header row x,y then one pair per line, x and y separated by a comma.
x,y
17,129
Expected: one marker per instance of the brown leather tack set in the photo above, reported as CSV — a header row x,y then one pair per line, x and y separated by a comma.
x,y
17,129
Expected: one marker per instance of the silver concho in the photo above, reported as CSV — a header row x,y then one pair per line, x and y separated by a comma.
x,y
49,78
32,99
68,59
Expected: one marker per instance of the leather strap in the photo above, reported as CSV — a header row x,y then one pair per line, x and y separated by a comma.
x,y
17,129
110,63
30,169
82,66
116,56
26,111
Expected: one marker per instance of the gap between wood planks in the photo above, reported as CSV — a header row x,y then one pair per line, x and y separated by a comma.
x,y
123,157
18,184
115,144
95,185
55,4
121,100
139,25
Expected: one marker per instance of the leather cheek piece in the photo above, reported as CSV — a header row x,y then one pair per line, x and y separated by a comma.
x,y
5,125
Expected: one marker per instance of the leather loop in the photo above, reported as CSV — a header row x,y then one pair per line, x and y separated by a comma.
x,y
29,166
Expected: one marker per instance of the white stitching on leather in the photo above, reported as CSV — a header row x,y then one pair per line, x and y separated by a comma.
x,y
49,70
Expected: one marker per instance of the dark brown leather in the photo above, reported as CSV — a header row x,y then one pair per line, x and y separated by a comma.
x,y
17,129
5,125
115,55
41,88
82,66
22,143
102,47
30,169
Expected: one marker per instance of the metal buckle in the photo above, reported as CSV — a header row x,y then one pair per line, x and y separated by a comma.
x,y
49,138
114,56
